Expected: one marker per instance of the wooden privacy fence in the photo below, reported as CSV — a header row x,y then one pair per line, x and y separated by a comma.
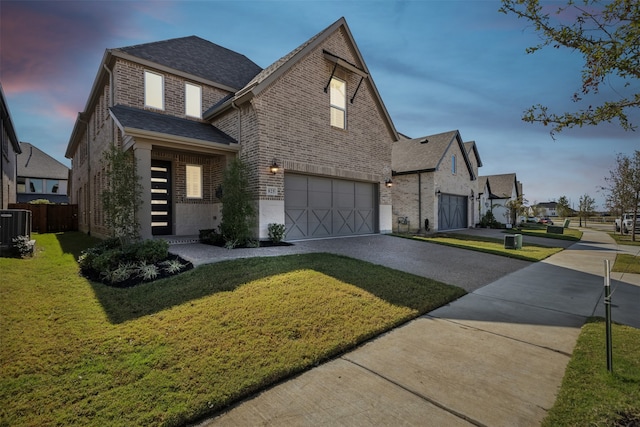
x,y
51,218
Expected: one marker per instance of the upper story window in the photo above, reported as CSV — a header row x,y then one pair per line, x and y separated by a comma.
x,y
194,181
192,100
338,100
453,164
153,90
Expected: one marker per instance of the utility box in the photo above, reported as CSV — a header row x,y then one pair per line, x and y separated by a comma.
x,y
513,241
14,223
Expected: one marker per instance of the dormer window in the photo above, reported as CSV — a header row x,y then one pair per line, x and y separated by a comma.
x,y
338,100
153,90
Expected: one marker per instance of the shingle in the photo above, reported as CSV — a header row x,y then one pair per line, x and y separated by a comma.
x,y
35,163
501,185
420,153
199,57
135,118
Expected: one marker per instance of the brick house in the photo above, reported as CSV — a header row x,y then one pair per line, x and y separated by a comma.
x,y
185,107
496,191
40,176
8,157
434,183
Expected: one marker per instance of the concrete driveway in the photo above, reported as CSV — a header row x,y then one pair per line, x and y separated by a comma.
x,y
469,270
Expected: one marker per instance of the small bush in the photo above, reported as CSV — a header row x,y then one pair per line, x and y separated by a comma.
x,y
488,220
148,272
276,232
149,251
211,236
23,245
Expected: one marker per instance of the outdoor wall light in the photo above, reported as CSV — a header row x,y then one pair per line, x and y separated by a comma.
x,y
274,168
388,183
438,192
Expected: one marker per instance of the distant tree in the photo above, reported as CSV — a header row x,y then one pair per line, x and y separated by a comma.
x,y
587,208
516,207
607,35
623,190
122,195
562,207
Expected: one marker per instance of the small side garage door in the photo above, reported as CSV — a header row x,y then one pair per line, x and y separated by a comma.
x,y
326,207
452,212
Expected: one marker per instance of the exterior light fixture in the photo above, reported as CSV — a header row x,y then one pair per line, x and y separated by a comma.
x,y
274,168
438,192
388,183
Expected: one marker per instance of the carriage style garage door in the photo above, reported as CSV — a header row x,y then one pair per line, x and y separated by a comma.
x,y
325,207
452,212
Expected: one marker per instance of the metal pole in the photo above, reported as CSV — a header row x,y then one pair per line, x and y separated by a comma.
x,y
607,306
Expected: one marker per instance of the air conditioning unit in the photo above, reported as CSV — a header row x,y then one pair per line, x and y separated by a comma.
x,y
14,223
510,241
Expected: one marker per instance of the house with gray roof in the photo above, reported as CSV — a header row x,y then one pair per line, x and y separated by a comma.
x,y
496,191
10,150
434,183
311,128
40,176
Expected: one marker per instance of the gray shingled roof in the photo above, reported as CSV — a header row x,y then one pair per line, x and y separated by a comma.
x,y
501,185
420,154
199,57
134,118
35,163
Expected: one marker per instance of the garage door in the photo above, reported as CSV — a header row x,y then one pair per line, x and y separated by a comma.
x,y
327,207
452,212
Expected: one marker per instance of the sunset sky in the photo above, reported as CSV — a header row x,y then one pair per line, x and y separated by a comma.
x,y
438,65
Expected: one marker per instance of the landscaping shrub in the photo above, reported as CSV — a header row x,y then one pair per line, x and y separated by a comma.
x,y
127,265
276,232
23,245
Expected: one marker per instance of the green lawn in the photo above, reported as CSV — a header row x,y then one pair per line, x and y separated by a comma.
x,y
625,239
570,234
165,353
490,245
592,396
626,263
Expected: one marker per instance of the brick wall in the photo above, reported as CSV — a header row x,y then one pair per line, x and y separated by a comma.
x,y
291,124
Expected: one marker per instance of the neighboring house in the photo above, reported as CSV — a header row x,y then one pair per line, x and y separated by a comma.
x,y
496,192
546,209
185,107
434,183
40,176
10,150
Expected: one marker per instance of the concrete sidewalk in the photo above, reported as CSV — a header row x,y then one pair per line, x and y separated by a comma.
x,y
495,357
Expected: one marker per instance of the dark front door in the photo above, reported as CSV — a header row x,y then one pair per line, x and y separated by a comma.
x,y
160,197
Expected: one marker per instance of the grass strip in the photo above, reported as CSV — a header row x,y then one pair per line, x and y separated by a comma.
x,y
170,352
529,252
626,263
592,396
570,234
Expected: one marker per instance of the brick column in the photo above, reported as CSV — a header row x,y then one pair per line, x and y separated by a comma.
x,y
142,153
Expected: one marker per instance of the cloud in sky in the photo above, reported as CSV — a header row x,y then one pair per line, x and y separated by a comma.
x,y
439,66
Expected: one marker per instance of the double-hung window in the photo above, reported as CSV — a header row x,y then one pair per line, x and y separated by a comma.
x,y
338,100
153,90
192,100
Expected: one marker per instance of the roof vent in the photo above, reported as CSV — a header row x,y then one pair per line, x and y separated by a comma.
x,y
424,141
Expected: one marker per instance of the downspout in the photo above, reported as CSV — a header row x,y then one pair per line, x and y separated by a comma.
x,y
420,202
